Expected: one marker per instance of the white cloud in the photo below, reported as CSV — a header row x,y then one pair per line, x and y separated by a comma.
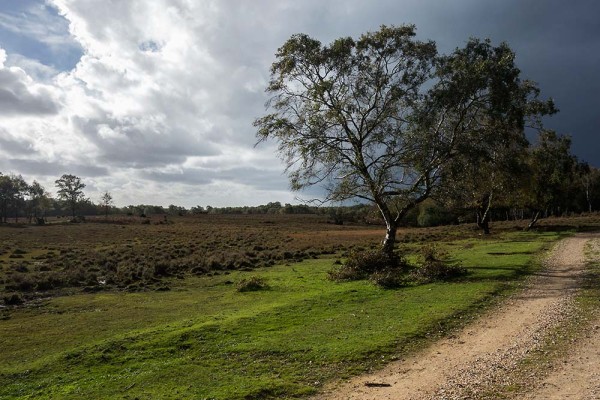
x,y
21,95
159,108
34,68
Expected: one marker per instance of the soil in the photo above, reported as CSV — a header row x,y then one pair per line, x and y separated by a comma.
x,y
483,356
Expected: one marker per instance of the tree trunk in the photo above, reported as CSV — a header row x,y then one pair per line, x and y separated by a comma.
x,y
390,238
483,213
391,224
533,221
483,222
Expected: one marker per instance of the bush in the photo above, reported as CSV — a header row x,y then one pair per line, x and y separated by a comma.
x,y
365,264
13,299
252,284
435,266
388,278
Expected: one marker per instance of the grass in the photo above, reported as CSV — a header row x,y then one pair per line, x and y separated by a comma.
x,y
205,339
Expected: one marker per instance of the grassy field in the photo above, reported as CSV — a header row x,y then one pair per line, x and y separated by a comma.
x,y
204,339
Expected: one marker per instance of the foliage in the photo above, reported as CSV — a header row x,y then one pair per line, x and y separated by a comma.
x,y
13,190
553,172
70,190
490,164
431,213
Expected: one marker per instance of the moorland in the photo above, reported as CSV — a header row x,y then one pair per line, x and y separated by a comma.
x,y
153,308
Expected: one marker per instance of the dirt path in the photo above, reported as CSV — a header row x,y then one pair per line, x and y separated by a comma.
x,y
483,354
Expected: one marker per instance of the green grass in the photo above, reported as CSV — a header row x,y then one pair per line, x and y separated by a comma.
x,y
204,339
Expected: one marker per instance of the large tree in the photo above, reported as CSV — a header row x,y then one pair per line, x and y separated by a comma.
x,y
492,107
382,117
70,191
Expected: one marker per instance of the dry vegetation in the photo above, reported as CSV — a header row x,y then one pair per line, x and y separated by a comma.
x,y
144,254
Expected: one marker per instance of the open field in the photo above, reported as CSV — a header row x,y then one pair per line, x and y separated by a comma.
x,y
204,339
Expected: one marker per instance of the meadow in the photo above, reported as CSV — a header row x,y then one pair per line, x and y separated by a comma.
x,y
152,310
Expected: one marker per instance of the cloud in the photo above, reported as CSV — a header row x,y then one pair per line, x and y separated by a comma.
x,y
159,106
20,94
51,169
36,21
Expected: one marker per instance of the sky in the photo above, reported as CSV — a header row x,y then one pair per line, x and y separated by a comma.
x,y
153,100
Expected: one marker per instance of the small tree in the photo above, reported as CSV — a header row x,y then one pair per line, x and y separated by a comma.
x,y
70,191
106,202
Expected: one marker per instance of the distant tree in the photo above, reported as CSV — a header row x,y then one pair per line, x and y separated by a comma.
x,y
552,169
70,191
381,118
38,201
177,210
590,181
6,196
13,190
106,202
198,210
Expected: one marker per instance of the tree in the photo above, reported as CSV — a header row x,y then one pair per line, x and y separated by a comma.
x,y
590,181
13,190
70,191
552,169
38,201
381,118
106,202
6,195
490,163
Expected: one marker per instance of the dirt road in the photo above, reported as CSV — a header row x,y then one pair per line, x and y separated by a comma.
x,y
484,354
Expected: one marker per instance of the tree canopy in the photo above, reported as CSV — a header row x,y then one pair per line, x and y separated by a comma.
x,y
70,190
384,117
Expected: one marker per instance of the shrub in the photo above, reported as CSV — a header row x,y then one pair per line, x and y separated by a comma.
x,y
252,284
13,299
388,278
364,264
435,266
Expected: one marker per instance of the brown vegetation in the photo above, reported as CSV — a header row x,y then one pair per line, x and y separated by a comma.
x,y
131,253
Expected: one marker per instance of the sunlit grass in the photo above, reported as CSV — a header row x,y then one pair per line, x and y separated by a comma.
x,y
204,339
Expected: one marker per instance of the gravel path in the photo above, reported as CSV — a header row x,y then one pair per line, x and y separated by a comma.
x,y
484,353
